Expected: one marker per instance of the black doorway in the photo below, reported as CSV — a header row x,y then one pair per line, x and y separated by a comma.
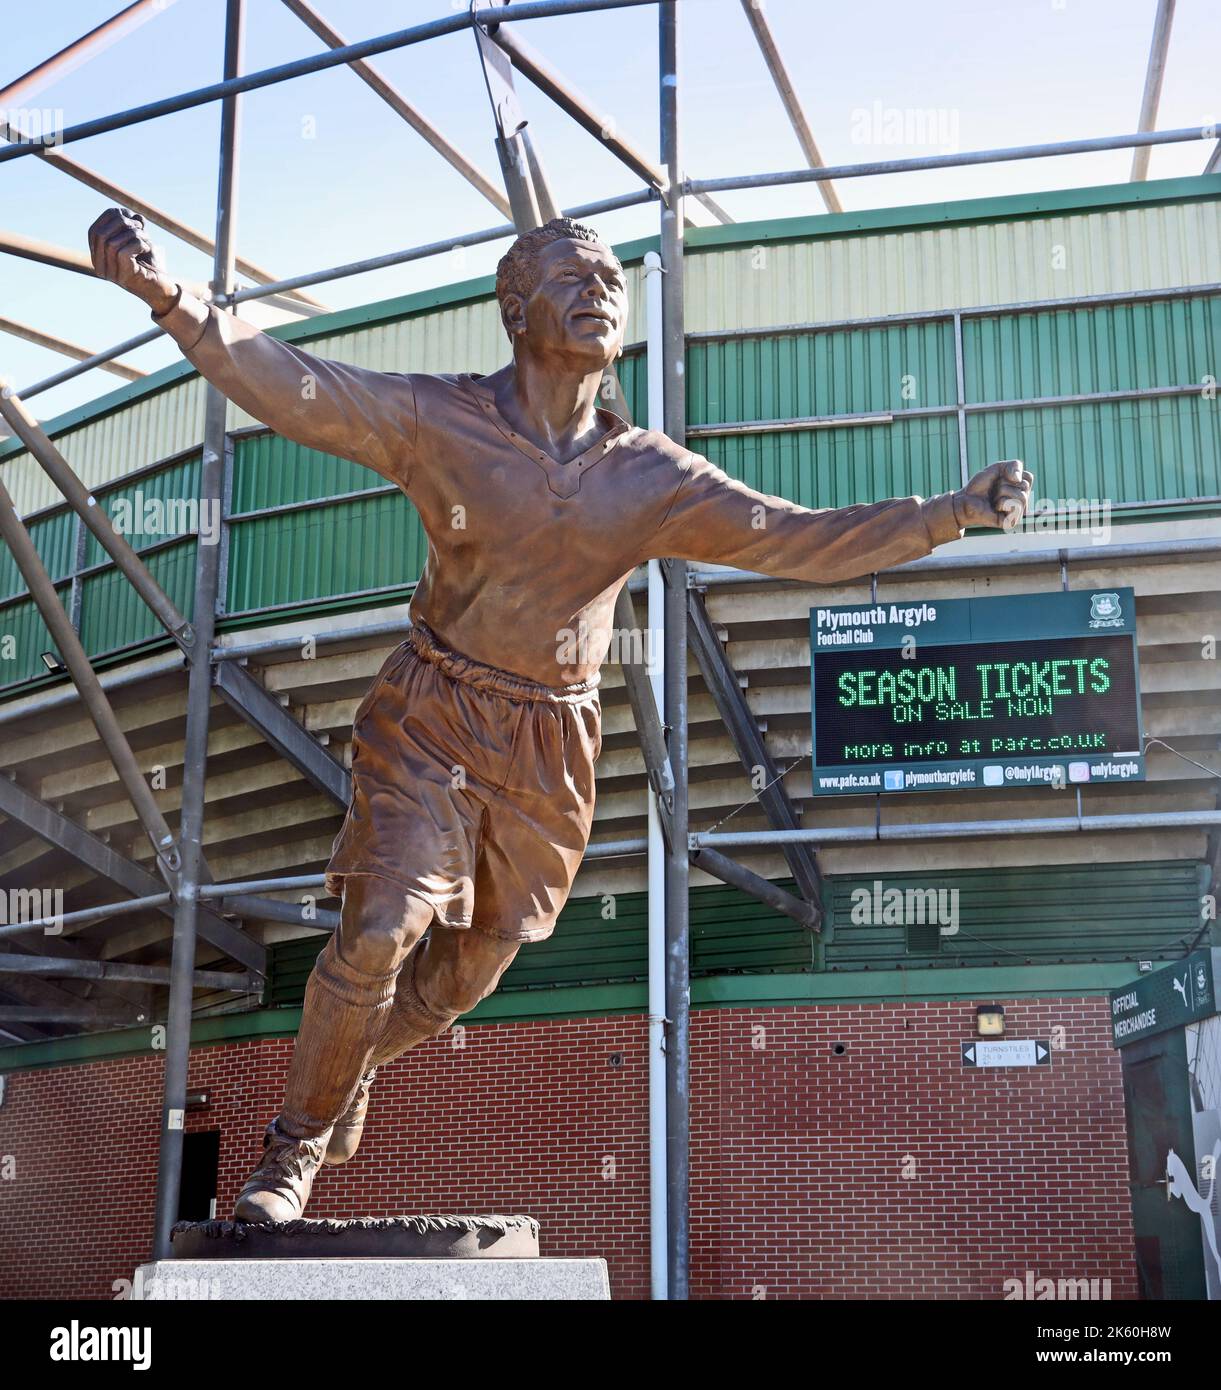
x,y
1169,1251
200,1173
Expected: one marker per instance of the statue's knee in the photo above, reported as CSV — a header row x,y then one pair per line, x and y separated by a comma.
x,y
372,948
454,986
459,1000
444,997
379,926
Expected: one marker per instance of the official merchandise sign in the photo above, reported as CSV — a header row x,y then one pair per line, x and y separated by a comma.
x,y
1168,998
946,694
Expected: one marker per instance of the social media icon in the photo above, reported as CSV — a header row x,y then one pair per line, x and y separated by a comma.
x,y
994,776
1078,772
893,780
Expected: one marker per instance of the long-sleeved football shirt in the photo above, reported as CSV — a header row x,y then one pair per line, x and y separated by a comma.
x,y
526,555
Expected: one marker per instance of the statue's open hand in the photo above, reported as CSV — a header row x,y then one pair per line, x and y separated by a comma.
x,y
996,496
122,252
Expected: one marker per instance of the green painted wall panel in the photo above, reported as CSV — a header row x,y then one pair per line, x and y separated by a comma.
x,y
54,538
1130,452
1023,916
1065,352
993,258
271,472
23,623
730,933
113,615
142,509
1077,912
835,467
1121,451
845,372
793,270
293,557
633,371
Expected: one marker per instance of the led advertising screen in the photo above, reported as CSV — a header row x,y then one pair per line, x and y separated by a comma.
x,y
946,694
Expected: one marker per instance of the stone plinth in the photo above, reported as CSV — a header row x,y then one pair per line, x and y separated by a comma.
x,y
418,1279
398,1257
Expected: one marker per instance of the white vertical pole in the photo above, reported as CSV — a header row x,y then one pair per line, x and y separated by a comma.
x,y
655,650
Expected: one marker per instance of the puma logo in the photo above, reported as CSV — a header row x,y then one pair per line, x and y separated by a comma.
x,y
1179,1183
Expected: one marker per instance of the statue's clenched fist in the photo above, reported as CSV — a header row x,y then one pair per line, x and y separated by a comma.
x,y
996,496
122,252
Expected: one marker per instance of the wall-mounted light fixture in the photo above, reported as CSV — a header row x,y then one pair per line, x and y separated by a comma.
x,y
990,1021
53,664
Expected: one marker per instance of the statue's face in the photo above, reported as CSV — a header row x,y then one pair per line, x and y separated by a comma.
x,y
578,308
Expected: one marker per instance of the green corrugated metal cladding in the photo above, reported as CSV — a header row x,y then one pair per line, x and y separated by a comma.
x,y
730,933
1037,916
308,528
1127,451
54,538
1053,913
113,615
835,372
1111,347
23,639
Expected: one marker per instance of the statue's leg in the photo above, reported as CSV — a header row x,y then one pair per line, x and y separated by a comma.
x,y
347,1002
533,835
494,852
447,975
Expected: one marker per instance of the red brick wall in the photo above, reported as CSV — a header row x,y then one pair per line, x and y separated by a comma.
x,y
798,1155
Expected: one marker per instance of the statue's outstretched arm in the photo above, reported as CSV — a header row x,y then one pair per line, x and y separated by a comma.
x,y
366,416
718,520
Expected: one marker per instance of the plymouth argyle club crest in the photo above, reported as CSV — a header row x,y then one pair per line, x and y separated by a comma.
x,y
1105,610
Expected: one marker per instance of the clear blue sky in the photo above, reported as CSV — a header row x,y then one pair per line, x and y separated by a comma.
x,y
998,72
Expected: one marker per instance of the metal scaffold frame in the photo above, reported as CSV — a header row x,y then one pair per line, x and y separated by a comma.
x,y
186,890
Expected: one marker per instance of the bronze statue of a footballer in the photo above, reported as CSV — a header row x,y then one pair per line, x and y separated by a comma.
x,y
538,505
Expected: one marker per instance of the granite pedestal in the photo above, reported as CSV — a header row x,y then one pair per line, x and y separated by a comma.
x,y
420,1258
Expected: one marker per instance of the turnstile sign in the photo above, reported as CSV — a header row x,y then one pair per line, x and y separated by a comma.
x,y
1006,1052
1181,993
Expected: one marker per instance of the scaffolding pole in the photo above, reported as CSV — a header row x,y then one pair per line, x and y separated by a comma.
x,y
678,986
42,591
67,349
319,62
1094,145
44,253
87,364
199,692
659,832
958,829
399,104
788,95
85,505
80,51
1152,96
339,272
602,127
55,158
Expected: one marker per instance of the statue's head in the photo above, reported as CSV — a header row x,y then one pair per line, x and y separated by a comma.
x,y
562,291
